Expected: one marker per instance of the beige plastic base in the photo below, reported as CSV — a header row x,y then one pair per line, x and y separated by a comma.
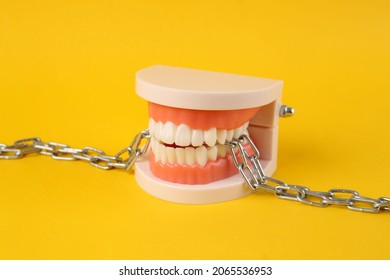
x,y
223,190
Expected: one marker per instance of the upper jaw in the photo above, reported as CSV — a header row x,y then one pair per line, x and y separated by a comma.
x,y
183,135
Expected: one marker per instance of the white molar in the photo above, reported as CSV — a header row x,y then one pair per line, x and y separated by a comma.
x,y
183,135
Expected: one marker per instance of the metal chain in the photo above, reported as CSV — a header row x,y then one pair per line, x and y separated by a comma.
x,y
247,161
124,159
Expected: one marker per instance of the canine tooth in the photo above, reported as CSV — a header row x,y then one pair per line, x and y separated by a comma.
x,y
189,154
210,136
221,136
229,134
197,137
201,155
153,143
212,153
168,133
156,151
221,151
158,130
180,156
151,126
237,132
183,135
171,155
163,154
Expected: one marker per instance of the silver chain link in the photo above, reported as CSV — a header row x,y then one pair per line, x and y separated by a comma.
x,y
247,161
124,159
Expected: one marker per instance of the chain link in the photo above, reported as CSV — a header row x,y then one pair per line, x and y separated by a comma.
x,y
124,159
246,157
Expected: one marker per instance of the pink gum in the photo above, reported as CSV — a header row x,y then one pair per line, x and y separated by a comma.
x,y
196,175
201,119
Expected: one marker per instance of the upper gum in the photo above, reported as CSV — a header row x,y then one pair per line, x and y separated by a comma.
x,y
202,119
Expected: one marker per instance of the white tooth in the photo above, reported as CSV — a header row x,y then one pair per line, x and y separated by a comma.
x,y
210,136
183,135
201,155
229,135
221,151
221,136
158,130
153,144
168,133
163,154
212,153
237,132
171,155
151,126
189,154
157,152
197,137
244,129
180,157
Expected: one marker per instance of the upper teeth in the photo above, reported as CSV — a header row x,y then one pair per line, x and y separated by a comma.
x,y
183,135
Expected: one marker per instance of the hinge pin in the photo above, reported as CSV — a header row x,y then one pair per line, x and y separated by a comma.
x,y
286,111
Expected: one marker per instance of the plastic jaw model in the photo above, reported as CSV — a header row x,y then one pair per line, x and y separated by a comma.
x,y
192,114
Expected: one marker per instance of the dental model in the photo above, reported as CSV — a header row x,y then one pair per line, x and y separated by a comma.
x,y
192,115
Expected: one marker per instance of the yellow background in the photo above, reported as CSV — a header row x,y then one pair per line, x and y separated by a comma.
x,y
67,74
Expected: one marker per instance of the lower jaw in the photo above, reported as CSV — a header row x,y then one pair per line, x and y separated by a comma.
x,y
194,175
